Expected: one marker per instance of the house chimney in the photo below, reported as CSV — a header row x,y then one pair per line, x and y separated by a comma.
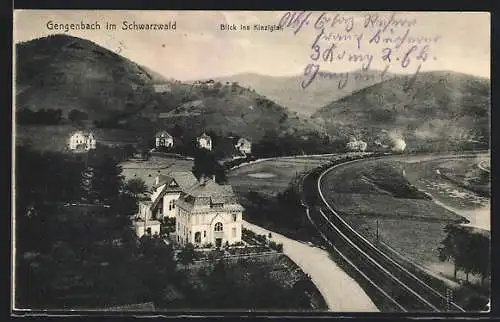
x,y
157,180
213,177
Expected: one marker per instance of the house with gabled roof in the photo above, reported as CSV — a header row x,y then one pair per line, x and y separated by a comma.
x,y
244,146
82,140
204,141
163,138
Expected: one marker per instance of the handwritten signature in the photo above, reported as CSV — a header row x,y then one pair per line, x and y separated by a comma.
x,y
392,34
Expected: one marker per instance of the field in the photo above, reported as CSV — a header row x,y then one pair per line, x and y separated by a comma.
x,y
377,191
148,170
269,177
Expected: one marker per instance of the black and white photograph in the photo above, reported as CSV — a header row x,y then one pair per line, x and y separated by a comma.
x,y
251,161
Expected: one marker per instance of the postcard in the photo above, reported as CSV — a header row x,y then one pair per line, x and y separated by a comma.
x,y
251,161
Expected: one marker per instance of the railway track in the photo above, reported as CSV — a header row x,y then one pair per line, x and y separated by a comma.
x,y
398,289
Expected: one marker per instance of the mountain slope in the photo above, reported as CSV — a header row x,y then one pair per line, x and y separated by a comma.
x,y
67,73
439,106
63,72
287,91
232,109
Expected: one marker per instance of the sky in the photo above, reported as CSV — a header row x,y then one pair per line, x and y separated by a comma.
x,y
198,49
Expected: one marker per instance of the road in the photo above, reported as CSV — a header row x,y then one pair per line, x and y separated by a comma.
x,y
340,291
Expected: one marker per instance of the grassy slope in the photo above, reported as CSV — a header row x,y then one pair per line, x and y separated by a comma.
x,y
234,109
402,221
438,106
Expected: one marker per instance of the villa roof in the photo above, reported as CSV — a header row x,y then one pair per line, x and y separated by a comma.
x,y
174,182
163,133
208,192
243,140
83,133
184,179
204,136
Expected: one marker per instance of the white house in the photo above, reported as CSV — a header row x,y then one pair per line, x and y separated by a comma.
x,y
81,140
163,138
205,142
208,213
357,145
243,145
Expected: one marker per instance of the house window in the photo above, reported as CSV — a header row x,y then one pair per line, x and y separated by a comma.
x,y
218,226
234,232
235,216
204,233
197,237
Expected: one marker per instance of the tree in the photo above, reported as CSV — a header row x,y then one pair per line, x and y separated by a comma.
x,y
135,187
177,131
77,116
187,254
205,164
469,250
106,179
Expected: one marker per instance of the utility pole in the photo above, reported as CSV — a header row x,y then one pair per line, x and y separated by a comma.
x,y
377,231
449,297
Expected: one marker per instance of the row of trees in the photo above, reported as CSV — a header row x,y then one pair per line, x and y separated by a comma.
x,y
469,251
274,145
49,116
41,117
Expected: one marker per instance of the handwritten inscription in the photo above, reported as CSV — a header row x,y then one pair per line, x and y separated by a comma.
x,y
359,41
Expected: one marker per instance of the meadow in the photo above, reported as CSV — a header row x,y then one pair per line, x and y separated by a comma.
x,y
371,192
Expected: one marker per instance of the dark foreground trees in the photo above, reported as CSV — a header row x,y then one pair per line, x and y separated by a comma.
x,y
82,255
469,249
230,285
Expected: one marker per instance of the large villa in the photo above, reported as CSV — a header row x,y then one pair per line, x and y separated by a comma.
x,y
205,211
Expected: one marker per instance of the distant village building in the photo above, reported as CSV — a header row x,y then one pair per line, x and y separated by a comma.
x,y
208,213
209,83
163,138
162,88
357,145
243,145
205,142
82,140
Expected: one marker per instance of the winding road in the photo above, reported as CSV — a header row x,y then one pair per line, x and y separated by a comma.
x,y
340,291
